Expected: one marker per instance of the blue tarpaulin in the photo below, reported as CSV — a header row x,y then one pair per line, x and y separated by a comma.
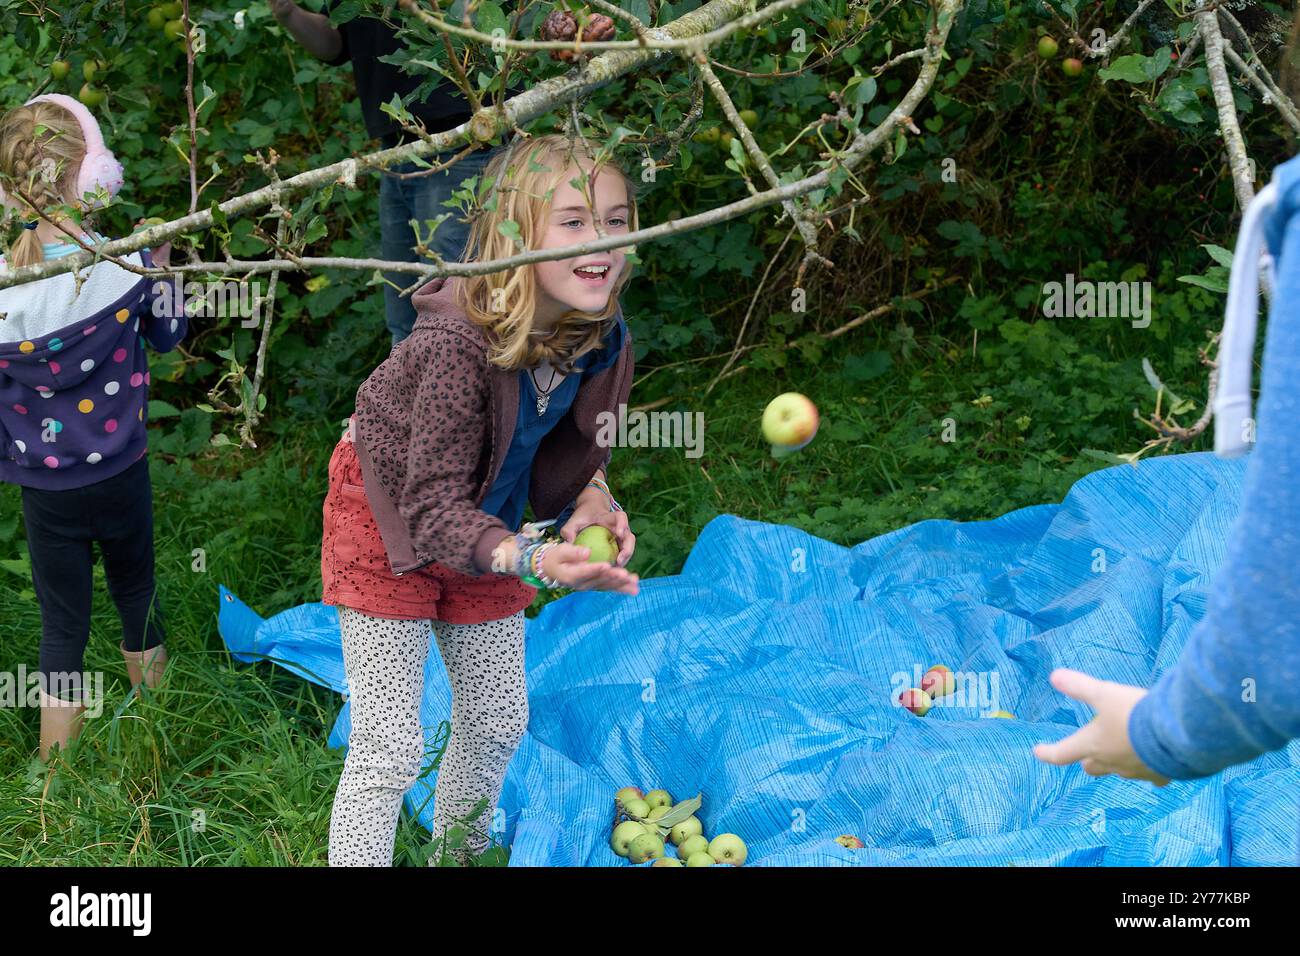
x,y
765,675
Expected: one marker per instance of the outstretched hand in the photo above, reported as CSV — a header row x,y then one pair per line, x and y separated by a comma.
x,y
572,558
1102,744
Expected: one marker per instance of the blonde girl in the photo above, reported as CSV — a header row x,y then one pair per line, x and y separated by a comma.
x,y
74,400
496,400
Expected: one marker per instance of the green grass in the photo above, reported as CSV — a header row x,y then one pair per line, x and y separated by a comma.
x,y
244,746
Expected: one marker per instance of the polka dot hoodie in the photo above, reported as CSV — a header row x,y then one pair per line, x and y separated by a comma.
x,y
74,377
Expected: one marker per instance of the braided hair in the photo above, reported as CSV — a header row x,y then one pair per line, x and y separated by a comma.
x,y
41,149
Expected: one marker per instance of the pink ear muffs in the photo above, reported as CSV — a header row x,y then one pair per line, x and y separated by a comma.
x,y
99,167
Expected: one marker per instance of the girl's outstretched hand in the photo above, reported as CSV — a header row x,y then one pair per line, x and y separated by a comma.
x,y
1103,743
568,564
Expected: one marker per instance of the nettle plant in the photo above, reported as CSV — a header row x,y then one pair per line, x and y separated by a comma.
x,y
725,111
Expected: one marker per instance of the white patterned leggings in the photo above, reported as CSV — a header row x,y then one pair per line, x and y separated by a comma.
x,y
384,660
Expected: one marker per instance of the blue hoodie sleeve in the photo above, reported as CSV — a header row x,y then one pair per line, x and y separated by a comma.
x,y
163,321
1232,694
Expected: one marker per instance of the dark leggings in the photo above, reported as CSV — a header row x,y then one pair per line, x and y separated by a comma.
x,y
61,526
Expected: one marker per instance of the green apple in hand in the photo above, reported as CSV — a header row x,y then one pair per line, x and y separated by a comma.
x,y
601,541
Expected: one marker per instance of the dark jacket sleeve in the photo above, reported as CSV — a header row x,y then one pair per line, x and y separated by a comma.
x,y
163,321
344,54
449,421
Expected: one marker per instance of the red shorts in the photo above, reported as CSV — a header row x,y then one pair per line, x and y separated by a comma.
x,y
356,573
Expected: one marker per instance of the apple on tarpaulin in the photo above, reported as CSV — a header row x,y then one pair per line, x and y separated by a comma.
x,y
698,843
939,681
624,834
915,700
647,846
629,793
728,848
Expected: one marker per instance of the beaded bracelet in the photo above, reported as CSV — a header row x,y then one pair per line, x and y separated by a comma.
x,y
600,484
529,565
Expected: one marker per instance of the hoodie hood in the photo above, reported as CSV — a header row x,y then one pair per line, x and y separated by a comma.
x,y
48,339
1260,241
1286,178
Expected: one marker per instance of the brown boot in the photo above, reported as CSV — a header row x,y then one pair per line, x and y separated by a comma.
x,y
145,666
60,723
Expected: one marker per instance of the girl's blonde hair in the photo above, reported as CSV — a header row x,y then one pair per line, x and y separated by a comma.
x,y
41,149
523,177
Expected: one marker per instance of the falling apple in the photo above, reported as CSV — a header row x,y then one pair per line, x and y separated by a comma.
x,y
624,834
790,421
915,700
728,848
603,545
684,830
692,845
647,846
700,859
850,841
938,681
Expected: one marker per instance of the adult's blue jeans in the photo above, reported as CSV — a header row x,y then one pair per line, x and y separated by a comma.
x,y
421,198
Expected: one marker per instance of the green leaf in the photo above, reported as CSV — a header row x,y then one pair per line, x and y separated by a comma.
x,y
861,90
1136,68
1107,456
160,409
1213,283
488,16
1220,255
1179,100
680,811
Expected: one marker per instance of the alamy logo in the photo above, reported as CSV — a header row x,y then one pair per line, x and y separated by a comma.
x,y
1102,300
209,300
103,909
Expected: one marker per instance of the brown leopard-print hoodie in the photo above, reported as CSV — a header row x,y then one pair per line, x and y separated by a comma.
x,y
433,424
